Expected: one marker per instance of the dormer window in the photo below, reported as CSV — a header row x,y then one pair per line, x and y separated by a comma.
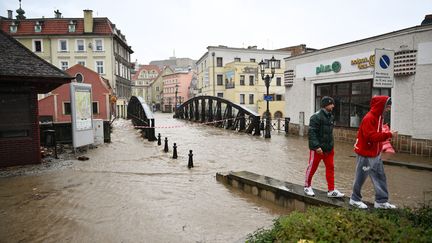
x,y
72,26
38,26
13,27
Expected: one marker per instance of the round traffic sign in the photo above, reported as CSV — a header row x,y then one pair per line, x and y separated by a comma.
x,y
384,61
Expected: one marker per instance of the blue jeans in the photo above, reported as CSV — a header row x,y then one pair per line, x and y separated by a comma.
x,y
373,167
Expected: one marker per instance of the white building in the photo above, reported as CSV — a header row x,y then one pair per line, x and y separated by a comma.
x,y
345,72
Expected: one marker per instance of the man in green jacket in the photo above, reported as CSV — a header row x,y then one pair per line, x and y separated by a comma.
x,y
321,147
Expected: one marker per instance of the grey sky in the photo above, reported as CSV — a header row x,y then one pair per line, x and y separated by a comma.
x,y
155,28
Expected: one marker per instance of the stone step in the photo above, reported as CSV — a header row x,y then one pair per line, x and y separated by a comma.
x,y
282,193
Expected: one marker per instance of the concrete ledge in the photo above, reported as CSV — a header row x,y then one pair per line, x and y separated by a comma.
x,y
408,165
282,193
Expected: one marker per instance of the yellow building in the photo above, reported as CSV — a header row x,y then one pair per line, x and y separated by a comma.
x,y
233,73
95,43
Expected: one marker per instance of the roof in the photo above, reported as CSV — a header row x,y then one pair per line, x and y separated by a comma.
x,y
20,64
56,26
147,68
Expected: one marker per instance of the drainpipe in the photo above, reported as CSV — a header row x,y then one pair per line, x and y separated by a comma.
x,y
214,81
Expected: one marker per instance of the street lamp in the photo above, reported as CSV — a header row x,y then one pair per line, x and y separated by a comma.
x,y
176,90
267,79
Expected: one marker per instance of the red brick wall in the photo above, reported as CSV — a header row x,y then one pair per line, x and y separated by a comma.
x,y
19,151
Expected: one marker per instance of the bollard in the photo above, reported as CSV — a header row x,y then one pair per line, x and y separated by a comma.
x,y
159,139
190,163
175,151
166,145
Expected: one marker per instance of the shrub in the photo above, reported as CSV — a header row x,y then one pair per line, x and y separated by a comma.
x,y
344,225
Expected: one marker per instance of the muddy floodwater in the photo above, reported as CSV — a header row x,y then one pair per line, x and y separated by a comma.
x,y
131,191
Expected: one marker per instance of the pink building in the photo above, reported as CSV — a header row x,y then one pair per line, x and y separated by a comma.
x,y
175,89
58,105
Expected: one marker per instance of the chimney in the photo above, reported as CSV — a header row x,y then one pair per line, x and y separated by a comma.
x,y
10,12
88,21
427,20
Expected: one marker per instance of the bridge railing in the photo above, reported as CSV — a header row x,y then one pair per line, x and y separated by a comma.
x,y
142,117
221,113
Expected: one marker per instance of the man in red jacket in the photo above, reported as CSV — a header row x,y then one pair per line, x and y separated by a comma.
x,y
368,148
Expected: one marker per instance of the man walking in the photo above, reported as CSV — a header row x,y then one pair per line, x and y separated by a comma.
x,y
321,147
368,148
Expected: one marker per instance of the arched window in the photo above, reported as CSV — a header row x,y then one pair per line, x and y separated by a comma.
x,y
79,78
278,114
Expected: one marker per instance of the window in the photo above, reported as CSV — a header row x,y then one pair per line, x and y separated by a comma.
x,y
242,80
15,115
157,88
278,81
251,99
278,97
66,108
80,45
98,45
79,77
82,62
219,62
219,79
237,59
277,64
95,108
351,100
100,67
220,95
63,45
13,27
252,60
37,46
72,26
251,80
64,65
242,98
38,26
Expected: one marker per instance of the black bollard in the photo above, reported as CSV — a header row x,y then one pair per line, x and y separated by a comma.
x,y
190,163
166,145
159,139
175,151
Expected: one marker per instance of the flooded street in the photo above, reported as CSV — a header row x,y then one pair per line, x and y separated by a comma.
x,y
131,191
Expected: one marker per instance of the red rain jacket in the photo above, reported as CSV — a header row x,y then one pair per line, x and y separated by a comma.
x,y
370,134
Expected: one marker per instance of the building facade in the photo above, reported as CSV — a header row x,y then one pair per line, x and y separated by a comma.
x,y
57,104
175,89
95,43
232,73
142,81
346,73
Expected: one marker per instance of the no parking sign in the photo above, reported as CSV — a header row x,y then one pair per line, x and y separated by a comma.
x,y
383,74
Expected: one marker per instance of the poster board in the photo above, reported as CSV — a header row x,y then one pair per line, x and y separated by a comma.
x,y
81,112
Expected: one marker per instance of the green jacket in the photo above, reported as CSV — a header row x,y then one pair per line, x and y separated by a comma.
x,y
321,131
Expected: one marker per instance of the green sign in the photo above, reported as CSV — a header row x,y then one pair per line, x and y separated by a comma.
x,y
335,67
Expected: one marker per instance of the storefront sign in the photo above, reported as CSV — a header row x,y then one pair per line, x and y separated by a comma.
x,y
335,67
363,63
383,74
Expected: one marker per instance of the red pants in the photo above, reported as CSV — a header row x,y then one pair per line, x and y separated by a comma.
x,y
314,160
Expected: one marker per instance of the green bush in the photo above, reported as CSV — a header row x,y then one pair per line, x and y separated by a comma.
x,y
344,225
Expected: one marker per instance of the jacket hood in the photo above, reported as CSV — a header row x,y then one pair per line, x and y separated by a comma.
x,y
378,103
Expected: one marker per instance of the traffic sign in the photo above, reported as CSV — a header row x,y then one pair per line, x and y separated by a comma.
x,y
268,97
383,73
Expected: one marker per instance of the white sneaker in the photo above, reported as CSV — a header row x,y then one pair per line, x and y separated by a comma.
x,y
308,191
385,205
335,193
358,204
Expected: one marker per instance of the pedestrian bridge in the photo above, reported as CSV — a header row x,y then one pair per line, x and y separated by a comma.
x,y
220,113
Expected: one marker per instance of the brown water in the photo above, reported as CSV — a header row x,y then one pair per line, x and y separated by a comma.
x,y
131,191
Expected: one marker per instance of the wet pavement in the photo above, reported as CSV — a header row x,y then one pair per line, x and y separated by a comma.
x,y
131,191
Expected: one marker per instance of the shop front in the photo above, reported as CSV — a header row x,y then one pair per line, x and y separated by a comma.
x,y
348,73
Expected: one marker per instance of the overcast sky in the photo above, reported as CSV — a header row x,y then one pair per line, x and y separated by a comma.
x,y
156,28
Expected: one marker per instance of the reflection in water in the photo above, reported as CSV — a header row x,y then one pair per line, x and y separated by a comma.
x,y
131,191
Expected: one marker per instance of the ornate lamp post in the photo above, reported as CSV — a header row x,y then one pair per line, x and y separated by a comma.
x,y
267,79
176,90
